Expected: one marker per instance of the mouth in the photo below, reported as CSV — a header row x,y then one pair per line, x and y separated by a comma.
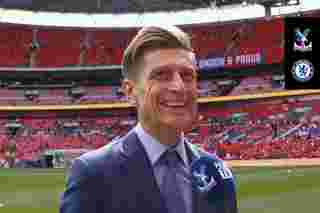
x,y
174,106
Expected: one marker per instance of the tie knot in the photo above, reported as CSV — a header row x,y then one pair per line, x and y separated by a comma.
x,y
171,158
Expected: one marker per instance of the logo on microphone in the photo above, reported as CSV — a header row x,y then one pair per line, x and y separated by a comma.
x,y
208,173
212,179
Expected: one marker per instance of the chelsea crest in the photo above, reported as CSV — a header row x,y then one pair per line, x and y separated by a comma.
x,y
302,70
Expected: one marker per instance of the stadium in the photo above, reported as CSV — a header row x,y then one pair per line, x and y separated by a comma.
x,y
60,95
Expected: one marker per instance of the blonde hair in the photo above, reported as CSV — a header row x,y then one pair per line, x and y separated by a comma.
x,y
152,37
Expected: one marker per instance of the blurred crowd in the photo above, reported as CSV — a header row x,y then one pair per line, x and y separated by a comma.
x,y
222,131
32,137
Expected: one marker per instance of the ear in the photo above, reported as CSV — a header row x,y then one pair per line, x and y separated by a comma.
x,y
128,88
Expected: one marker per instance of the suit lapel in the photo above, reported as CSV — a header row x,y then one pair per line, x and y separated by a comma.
x,y
140,170
137,165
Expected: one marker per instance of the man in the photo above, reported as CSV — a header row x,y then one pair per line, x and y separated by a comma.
x,y
136,172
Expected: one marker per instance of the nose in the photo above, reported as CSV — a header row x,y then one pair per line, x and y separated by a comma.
x,y
177,83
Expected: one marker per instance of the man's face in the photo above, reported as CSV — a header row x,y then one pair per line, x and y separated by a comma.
x,y
166,89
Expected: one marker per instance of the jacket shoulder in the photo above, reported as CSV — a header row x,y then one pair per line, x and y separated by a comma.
x,y
104,159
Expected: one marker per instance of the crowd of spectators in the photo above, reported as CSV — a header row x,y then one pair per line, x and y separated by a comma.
x,y
34,136
262,130
230,134
302,142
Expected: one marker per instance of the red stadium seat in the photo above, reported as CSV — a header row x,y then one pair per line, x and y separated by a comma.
x,y
59,47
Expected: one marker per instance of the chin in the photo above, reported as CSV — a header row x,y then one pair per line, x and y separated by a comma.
x,y
179,124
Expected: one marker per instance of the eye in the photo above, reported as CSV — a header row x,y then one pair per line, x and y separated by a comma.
x,y
188,75
160,75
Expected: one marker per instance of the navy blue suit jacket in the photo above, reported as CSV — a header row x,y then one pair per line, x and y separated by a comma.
x,y
118,178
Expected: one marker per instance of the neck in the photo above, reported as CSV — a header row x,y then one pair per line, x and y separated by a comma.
x,y
165,135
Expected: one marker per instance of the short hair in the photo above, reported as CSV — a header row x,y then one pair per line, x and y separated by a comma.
x,y
152,37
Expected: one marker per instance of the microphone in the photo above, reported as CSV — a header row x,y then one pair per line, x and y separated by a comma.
x,y
213,180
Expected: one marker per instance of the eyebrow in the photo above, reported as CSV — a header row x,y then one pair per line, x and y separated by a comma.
x,y
171,66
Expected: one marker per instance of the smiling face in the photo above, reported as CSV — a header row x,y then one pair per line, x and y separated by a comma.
x,y
166,89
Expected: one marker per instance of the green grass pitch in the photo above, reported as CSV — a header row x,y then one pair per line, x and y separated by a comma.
x,y
260,190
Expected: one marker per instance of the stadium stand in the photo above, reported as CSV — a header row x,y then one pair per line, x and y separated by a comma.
x,y
93,93
59,47
14,43
255,84
35,135
239,44
244,130
286,128
271,129
50,95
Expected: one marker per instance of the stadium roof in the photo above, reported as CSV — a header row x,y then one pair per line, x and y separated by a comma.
x,y
195,16
105,6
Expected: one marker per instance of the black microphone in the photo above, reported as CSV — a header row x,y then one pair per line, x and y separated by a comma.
x,y
214,181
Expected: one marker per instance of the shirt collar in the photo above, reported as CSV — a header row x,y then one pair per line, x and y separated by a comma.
x,y
155,149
